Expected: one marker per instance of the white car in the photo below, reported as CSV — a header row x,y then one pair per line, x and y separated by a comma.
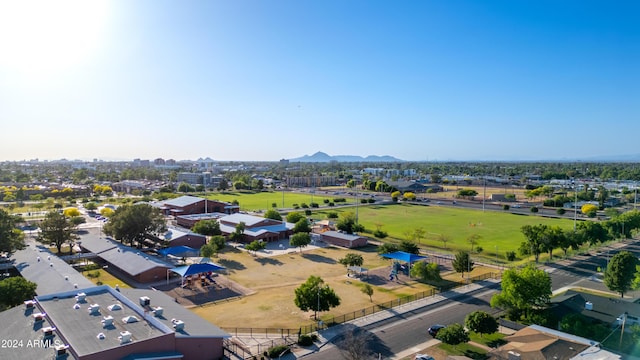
x,y
423,357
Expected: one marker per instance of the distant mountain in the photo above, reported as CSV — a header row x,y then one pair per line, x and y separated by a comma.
x,y
323,157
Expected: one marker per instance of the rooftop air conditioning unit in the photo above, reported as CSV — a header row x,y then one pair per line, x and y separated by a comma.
x,y
48,331
145,301
588,305
80,297
107,321
60,350
512,355
178,324
39,316
94,309
158,311
124,337
30,304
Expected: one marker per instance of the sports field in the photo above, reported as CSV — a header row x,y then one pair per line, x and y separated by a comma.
x,y
283,200
499,231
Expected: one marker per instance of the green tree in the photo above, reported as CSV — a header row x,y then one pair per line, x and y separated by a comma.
x,y
481,322
91,206
347,223
294,216
302,226
57,229
534,235
255,246
301,239
523,290
15,290
426,271
133,223
238,234
11,239
620,273
208,227
386,248
409,246
273,214
367,289
419,234
352,259
207,250
473,240
462,263
315,295
453,334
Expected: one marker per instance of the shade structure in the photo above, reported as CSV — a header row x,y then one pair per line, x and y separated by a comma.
x,y
196,269
404,256
180,251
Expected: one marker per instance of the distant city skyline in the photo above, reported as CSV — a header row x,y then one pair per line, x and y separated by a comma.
x,y
263,81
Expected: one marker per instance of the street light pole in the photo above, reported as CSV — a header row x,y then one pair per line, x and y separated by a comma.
x,y
575,209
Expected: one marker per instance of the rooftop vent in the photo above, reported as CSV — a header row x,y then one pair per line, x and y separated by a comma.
x,y
80,297
113,307
512,355
39,316
158,311
100,336
107,321
76,306
588,305
129,319
30,304
145,301
124,337
60,350
48,331
94,309
178,324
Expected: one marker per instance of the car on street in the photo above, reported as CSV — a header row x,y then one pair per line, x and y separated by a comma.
x,y
433,330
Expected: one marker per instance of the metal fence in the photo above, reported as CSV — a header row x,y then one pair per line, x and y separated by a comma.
x,y
290,336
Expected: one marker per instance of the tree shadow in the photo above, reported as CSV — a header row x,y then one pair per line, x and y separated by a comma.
x,y
358,343
231,265
319,258
496,343
268,261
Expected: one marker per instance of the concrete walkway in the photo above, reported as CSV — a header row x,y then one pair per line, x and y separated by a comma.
x,y
326,335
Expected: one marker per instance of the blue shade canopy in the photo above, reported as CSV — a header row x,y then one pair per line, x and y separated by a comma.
x,y
196,269
180,251
403,256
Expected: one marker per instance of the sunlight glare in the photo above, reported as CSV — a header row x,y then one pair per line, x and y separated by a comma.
x,y
41,37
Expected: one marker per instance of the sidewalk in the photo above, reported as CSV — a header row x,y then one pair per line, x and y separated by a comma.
x,y
326,335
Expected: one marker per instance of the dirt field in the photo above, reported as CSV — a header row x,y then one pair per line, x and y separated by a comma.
x,y
269,284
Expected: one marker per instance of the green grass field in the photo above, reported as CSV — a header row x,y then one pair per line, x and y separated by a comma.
x,y
499,231
264,200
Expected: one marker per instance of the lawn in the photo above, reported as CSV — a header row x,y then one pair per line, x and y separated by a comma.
x,y
105,278
274,280
265,200
499,231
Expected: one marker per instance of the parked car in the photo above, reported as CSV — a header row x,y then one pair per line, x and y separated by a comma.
x,y
433,330
423,357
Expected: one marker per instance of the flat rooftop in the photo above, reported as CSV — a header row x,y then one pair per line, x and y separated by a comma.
x,y
37,264
81,328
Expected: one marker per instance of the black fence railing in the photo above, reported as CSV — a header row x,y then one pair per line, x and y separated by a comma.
x,y
340,319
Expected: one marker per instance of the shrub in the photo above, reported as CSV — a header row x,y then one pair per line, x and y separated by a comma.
x,y
276,351
561,211
371,200
505,207
305,340
380,234
307,212
337,200
314,205
479,249
331,204
363,201
511,255
534,209
326,201
304,206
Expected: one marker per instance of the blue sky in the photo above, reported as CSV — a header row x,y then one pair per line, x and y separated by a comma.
x,y
265,80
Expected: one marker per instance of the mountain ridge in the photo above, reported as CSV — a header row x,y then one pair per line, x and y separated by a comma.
x,y
324,157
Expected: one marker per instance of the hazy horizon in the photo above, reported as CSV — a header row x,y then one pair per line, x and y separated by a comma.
x,y
262,81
